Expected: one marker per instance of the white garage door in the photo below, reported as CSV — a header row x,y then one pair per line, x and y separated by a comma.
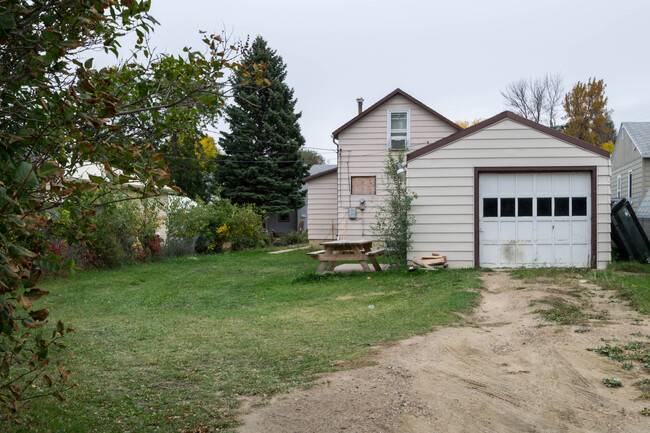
x,y
534,219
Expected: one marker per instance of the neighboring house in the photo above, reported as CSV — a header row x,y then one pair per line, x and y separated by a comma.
x,y
85,170
631,168
507,192
322,206
296,220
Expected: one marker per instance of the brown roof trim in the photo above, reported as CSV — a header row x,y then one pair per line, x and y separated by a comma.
x,y
386,98
322,173
499,117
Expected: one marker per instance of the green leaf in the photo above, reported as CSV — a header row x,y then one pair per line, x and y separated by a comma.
x,y
48,168
96,179
6,19
49,19
24,173
68,114
17,221
4,198
16,250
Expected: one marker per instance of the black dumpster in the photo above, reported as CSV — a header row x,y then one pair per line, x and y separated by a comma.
x,y
628,234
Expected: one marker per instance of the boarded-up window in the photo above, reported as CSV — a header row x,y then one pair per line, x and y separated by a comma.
x,y
363,185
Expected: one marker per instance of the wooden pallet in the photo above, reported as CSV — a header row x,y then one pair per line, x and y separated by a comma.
x,y
433,261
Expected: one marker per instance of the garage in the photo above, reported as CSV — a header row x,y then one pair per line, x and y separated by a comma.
x,y
539,219
509,193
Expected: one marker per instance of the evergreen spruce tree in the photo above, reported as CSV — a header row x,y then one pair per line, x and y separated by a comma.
x,y
263,163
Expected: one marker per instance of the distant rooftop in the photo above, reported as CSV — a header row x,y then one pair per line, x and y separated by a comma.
x,y
644,207
639,132
318,168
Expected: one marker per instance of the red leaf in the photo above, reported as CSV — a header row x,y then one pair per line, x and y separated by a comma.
x,y
25,302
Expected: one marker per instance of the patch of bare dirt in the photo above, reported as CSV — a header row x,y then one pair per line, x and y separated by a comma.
x,y
506,370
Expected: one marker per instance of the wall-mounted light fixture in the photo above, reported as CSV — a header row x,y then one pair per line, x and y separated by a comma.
x,y
401,169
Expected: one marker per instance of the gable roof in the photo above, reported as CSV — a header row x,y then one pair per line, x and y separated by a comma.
x,y
319,170
499,117
639,132
644,207
398,91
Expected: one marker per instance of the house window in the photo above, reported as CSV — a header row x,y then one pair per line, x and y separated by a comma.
x,y
363,185
618,186
399,129
629,185
283,218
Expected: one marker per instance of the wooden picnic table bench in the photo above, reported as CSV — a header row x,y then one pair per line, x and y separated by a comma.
x,y
346,250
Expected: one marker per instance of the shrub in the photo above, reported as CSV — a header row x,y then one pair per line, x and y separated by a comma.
x,y
125,231
296,238
213,225
242,225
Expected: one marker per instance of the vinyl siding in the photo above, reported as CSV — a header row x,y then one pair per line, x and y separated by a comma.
x,y
637,181
624,150
363,151
625,158
444,182
321,201
646,175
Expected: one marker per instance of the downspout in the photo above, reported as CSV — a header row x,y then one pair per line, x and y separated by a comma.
x,y
338,182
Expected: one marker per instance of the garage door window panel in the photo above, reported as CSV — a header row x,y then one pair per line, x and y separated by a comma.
x,y
562,206
525,207
507,207
579,206
544,206
490,207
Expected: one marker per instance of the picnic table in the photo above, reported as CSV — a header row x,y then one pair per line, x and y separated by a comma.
x,y
346,250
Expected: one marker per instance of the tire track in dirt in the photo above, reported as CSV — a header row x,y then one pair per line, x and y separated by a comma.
x,y
508,370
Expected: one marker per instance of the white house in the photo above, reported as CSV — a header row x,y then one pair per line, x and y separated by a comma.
x,y
631,168
507,192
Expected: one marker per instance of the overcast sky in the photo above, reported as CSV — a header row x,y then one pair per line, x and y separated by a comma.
x,y
455,56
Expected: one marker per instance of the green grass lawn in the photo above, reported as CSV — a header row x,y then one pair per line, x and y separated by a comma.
x,y
630,279
170,346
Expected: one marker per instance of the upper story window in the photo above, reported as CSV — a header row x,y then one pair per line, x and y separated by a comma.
x,y
618,186
399,130
629,185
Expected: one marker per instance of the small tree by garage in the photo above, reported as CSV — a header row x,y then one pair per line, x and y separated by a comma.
x,y
393,224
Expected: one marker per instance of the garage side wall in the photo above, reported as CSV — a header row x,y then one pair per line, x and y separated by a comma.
x,y
321,205
444,182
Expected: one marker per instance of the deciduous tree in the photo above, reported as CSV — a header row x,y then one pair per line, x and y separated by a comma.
x,y
56,112
262,163
394,223
536,99
467,123
191,161
588,118
311,157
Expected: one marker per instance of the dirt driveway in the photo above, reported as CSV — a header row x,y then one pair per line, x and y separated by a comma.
x,y
499,372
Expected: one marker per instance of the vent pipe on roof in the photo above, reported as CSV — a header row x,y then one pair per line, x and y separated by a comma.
x,y
360,104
